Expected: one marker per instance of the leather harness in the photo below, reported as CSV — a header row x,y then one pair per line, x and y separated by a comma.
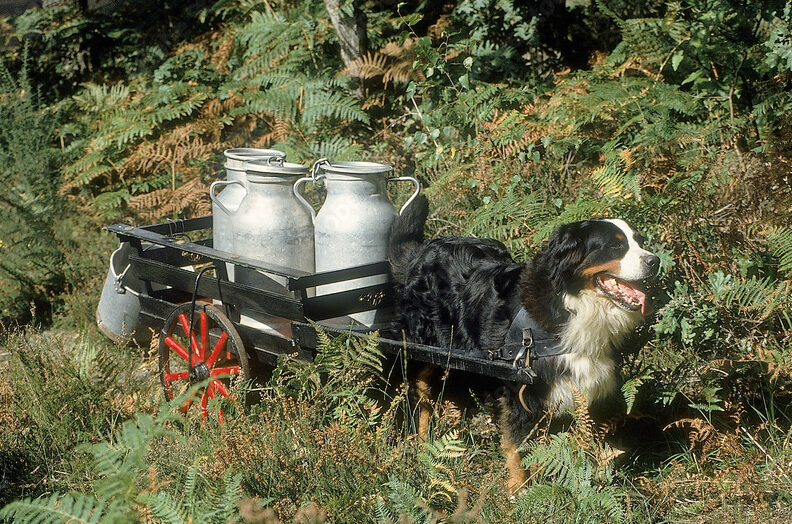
x,y
526,337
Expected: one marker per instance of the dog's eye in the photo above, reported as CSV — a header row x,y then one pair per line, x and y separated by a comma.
x,y
615,246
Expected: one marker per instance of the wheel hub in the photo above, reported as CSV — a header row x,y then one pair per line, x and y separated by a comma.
x,y
199,372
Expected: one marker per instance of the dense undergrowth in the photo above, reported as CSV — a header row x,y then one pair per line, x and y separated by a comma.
x,y
517,117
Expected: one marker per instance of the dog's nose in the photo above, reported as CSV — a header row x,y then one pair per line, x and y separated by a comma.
x,y
652,263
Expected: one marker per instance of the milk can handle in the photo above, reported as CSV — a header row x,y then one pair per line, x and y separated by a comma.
x,y
214,198
118,278
301,198
316,166
417,188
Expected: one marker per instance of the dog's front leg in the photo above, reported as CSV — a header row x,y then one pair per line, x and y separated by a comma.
x,y
424,390
517,476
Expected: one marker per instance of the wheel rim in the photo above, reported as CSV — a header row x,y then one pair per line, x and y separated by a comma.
x,y
214,350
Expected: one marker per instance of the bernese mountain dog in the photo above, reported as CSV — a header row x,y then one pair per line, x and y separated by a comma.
x,y
584,288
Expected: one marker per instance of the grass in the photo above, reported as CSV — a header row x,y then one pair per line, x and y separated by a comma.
x,y
331,453
705,176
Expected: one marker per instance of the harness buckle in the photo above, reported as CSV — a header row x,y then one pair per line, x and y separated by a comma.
x,y
527,340
525,350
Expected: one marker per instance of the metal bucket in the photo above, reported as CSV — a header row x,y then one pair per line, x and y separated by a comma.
x,y
353,224
232,190
117,313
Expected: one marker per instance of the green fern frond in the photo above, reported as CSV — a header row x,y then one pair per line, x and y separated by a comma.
x,y
447,446
407,501
197,500
336,148
763,296
164,507
225,502
320,104
190,485
758,297
382,513
559,460
781,247
278,101
87,169
57,509
631,386
505,217
615,179
322,337
119,460
103,98
648,38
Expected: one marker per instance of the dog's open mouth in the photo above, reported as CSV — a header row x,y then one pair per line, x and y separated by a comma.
x,y
627,295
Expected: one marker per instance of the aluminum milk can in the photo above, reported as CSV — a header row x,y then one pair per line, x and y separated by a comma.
x,y
353,224
119,306
272,226
232,191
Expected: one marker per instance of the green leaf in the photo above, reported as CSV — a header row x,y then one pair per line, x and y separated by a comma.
x,y
692,77
677,59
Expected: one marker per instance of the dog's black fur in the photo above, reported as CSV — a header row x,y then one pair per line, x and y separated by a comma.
x,y
463,293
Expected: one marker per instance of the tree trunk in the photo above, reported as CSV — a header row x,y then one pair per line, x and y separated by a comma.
x,y
351,30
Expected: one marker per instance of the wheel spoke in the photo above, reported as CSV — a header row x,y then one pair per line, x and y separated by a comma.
x,y
189,332
184,323
175,346
170,377
193,342
230,370
217,349
220,387
204,335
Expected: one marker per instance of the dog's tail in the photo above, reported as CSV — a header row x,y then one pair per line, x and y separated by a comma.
x,y
407,235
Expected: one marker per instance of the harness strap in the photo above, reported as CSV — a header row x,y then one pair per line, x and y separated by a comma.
x,y
525,336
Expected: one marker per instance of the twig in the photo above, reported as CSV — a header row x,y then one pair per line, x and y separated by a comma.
x,y
420,115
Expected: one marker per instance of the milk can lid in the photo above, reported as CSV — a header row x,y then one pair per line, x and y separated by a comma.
x,y
353,168
249,153
267,167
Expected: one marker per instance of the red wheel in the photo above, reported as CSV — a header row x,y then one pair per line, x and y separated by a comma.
x,y
215,353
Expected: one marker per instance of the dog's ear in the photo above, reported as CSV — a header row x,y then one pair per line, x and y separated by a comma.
x,y
567,250
507,279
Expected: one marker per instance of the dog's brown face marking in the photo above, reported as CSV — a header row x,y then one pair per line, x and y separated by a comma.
x,y
615,264
612,267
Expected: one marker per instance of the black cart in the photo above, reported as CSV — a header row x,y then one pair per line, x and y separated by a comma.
x,y
166,262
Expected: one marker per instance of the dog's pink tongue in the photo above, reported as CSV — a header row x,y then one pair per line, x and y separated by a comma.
x,y
640,297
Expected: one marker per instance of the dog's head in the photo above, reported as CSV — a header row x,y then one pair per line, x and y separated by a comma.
x,y
603,255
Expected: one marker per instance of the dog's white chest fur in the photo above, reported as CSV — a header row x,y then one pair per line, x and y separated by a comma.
x,y
596,326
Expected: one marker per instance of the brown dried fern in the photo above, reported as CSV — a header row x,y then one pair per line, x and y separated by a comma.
x,y
190,198
394,63
503,124
697,429
223,47
585,428
280,130
172,153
